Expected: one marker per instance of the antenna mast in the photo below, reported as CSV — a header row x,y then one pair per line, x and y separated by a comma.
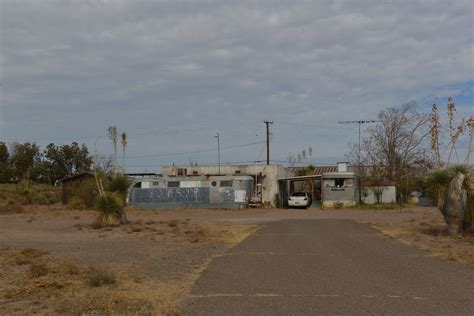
x,y
360,122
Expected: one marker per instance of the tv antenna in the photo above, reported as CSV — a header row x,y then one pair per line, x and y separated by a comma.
x,y
360,122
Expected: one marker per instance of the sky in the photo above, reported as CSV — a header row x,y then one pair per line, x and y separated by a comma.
x,y
172,74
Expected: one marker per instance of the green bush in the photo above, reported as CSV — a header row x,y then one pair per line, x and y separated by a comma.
x,y
437,182
108,204
36,194
120,185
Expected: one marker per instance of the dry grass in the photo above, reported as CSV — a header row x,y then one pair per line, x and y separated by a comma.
x,y
100,276
33,282
432,237
54,286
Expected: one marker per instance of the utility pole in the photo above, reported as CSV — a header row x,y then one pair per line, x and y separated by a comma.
x,y
359,149
218,153
268,140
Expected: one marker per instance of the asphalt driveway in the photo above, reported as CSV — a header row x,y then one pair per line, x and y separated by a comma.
x,y
302,267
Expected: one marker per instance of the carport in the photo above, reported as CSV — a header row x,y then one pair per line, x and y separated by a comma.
x,y
290,185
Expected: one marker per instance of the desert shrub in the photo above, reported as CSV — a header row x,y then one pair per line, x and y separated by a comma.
x,y
436,184
109,207
120,185
77,203
40,198
36,194
38,270
98,277
173,223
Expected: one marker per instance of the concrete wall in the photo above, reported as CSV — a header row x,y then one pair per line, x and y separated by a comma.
x,y
335,195
389,195
267,175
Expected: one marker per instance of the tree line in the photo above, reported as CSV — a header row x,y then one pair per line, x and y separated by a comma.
x,y
22,162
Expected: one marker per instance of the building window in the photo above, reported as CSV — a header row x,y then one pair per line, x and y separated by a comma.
x,y
173,184
156,183
329,183
339,183
237,171
182,171
226,183
195,173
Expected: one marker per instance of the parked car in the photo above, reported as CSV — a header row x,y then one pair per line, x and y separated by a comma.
x,y
300,199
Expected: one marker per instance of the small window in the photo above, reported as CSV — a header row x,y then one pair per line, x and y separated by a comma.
x,y
156,183
329,183
237,171
339,183
214,183
226,183
182,171
195,173
173,184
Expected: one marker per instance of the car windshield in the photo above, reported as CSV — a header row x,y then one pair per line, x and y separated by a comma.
x,y
299,194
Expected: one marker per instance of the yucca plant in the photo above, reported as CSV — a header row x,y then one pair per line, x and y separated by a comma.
x,y
109,206
437,184
120,185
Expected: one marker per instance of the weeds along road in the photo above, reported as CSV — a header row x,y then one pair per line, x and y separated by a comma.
x,y
297,267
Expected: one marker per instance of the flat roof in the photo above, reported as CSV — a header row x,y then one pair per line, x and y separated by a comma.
x,y
339,175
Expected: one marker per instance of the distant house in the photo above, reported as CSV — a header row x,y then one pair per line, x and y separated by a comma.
x,y
266,189
339,188
77,185
385,192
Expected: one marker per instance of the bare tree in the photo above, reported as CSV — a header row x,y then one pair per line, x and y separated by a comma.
x,y
397,143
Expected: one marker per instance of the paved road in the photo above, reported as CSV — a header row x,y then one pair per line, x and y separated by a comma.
x,y
301,267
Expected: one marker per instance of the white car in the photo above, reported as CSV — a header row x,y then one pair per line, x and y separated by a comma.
x,y
299,199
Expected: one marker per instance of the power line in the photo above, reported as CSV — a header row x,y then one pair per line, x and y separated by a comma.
x,y
193,152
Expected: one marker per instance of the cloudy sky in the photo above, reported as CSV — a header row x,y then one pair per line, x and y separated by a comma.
x,y
173,73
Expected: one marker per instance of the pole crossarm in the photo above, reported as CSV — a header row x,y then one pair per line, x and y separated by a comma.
x,y
360,122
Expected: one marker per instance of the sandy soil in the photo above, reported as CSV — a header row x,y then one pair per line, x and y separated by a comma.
x,y
169,246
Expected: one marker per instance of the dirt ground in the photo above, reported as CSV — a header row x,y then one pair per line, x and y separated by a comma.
x,y
159,253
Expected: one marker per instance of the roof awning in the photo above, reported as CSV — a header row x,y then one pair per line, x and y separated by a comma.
x,y
301,177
